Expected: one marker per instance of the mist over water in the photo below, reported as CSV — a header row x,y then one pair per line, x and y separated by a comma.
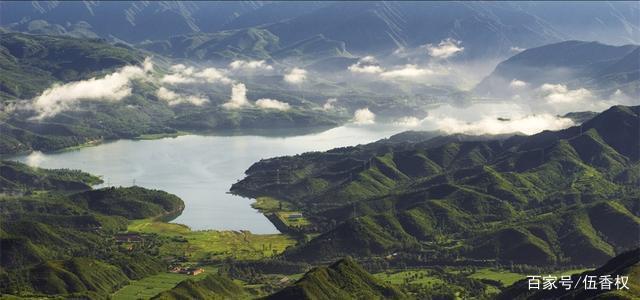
x,y
201,169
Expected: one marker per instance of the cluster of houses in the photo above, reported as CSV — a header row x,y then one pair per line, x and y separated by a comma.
x,y
129,240
186,270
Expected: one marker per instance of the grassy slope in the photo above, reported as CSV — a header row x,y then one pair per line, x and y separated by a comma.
x,y
213,286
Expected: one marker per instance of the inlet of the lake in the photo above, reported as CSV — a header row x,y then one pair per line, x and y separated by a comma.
x,y
200,169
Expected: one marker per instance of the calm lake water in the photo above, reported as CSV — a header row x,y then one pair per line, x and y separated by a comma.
x,y
200,169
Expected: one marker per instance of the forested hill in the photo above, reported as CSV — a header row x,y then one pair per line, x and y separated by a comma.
x,y
17,177
214,287
553,198
57,241
31,63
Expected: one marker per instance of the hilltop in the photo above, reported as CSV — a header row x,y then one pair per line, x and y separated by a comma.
x,y
344,279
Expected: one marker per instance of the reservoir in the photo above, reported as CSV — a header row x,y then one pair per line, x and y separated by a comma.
x,y
200,169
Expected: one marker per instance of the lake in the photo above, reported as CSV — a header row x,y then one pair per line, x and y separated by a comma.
x,y
201,168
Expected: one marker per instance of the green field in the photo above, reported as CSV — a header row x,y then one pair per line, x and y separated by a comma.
x,y
212,244
420,277
281,209
299,222
269,204
507,278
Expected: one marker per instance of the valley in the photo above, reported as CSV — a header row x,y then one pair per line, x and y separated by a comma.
x,y
319,150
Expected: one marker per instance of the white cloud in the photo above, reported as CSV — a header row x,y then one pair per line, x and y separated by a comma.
x,y
364,116
112,87
35,158
178,68
369,60
272,104
530,124
166,94
445,49
238,97
192,99
212,75
250,65
295,76
147,65
492,118
408,71
188,75
172,98
560,94
517,49
367,65
329,105
517,84
367,69
177,78
487,118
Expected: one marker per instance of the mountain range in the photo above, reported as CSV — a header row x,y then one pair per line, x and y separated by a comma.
x,y
548,198
363,27
576,64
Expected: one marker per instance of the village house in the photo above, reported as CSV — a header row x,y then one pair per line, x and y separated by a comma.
x,y
128,238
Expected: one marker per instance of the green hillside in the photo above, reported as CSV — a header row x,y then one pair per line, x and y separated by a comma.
x,y
61,242
31,63
16,177
344,279
252,43
131,203
545,199
624,264
212,287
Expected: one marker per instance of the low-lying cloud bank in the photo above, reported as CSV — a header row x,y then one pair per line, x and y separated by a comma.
x,y
118,85
489,118
172,98
112,87
369,66
557,98
492,125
